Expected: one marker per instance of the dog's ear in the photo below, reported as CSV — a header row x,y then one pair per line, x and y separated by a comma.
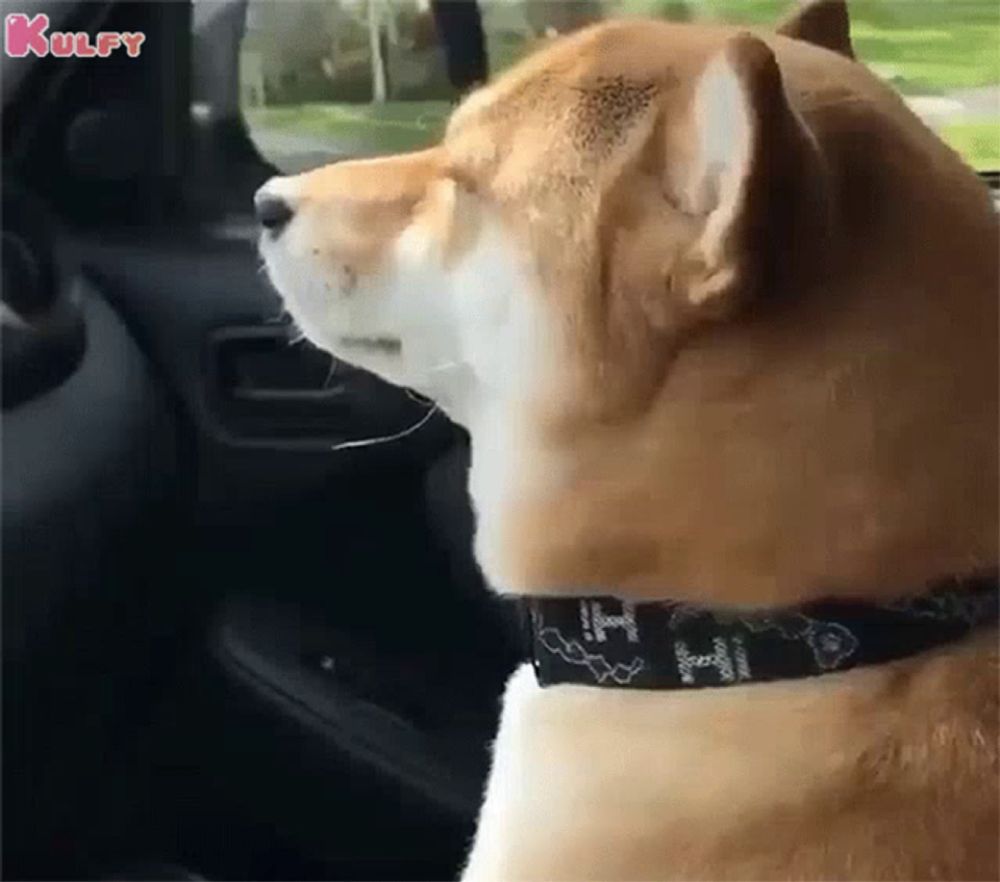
x,y
754,179
823,23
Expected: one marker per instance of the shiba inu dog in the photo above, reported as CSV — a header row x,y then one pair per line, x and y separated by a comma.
x,y
720,315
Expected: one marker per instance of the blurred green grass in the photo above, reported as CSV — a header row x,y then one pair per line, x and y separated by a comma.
x,y
409,125
923,47
978,142
363,128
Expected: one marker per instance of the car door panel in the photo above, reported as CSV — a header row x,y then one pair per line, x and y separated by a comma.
x,y
90,489
199,306
187,494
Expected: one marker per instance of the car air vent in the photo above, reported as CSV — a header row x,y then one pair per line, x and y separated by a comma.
x,y
42,330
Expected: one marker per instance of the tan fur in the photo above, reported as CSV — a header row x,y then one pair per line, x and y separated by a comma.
x,y
882,773
757,389
662,443
361,207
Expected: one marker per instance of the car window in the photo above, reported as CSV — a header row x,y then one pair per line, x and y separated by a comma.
x,y
323,79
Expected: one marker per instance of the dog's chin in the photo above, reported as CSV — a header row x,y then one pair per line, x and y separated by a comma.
x,y
433,368
449,385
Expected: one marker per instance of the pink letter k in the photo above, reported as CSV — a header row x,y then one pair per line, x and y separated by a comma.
x,y
23,35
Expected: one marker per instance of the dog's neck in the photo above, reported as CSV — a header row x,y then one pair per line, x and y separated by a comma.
x,y
603,641
848,441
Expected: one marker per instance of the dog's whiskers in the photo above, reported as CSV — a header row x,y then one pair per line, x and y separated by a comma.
x,y
385,439
443,366
418,398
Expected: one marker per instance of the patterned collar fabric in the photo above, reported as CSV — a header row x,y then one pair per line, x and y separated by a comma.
x,y
601,641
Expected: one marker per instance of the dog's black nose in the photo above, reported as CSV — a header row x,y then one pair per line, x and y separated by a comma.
x,y
273,213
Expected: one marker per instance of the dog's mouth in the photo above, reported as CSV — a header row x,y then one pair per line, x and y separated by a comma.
x,y
385,345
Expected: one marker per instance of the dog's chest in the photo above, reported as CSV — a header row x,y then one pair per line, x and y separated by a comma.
x,y
808,780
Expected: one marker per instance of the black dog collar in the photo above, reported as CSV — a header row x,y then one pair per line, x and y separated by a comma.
x,y
601,641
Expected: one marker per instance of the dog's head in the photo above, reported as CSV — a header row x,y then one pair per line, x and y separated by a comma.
x,y
636,268
579,217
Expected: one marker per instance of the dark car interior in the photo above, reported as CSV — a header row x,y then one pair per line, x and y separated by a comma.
x,y
230,650
235,646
